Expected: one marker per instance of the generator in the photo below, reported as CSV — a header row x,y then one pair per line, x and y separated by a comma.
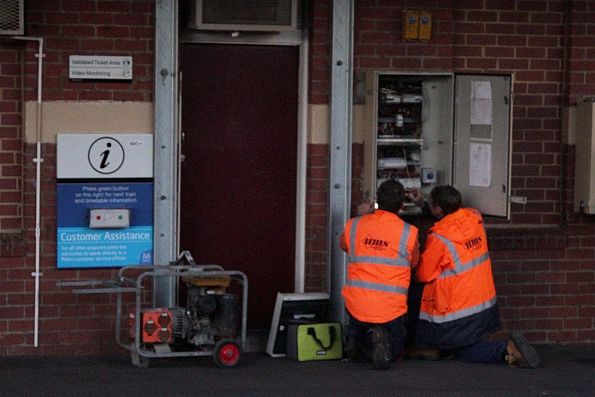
x,y
210,322
210,315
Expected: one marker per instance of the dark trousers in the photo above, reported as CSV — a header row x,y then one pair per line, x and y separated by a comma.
x,y
413,306
484,351
395,330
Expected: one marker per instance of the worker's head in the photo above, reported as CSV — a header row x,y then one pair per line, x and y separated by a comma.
x,y
444,200
390,196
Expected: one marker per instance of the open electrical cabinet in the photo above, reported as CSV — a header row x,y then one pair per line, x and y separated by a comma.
x,y
439,128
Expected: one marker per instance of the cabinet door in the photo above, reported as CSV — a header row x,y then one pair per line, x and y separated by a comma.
x,y
482,142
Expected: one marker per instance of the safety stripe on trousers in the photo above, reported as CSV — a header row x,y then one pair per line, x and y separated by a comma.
x,y
459,266
436,318
377,287
401,260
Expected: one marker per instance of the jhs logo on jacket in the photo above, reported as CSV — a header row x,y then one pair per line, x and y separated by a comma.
x,y
375,243
473,242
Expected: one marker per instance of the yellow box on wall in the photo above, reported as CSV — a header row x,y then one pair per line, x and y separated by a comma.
x,y
425,25
410,25
417,25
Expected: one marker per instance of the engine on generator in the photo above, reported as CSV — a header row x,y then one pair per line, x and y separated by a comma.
x,y
211,314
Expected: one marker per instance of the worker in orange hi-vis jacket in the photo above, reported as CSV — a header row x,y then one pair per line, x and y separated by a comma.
x,y
382,249
459,305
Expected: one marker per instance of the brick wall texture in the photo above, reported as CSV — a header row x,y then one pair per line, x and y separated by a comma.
x,y
544,271
11,146
545,274
69,324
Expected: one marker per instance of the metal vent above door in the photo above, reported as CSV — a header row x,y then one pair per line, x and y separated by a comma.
x,y
244,15
12,17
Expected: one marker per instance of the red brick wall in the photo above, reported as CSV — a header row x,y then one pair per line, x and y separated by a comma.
x,y
320,34
489,37
317,211
317,218
12,246
545,277
10,147
525,39
320,20
70,324
581,62
545,281
92,28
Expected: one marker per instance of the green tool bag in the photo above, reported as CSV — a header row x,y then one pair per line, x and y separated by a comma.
x,y
319,341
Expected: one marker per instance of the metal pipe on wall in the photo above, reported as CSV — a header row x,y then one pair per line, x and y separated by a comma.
x,y
300,229
37,160
166,147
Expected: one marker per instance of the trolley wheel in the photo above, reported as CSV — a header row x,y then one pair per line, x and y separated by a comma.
x,y
227,353
139,361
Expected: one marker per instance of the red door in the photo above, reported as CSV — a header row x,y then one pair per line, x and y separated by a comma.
x,y
239,119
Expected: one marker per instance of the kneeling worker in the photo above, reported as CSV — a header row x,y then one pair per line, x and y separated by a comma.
x,y
458,308
382,249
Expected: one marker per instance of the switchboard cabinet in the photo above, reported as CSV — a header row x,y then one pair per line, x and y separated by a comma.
x,y
428,129
411,122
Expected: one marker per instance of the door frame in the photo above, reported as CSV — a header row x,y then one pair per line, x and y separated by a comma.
x,y
165,157
293,38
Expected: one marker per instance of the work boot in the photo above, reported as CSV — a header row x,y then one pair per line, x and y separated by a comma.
x,y
354,351
422,353
380,348
381,356
520,354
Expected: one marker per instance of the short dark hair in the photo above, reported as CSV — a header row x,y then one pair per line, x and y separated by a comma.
x,y
390,196
446,197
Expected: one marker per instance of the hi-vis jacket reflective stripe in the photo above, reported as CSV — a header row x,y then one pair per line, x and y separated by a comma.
x,y
457,267
382,249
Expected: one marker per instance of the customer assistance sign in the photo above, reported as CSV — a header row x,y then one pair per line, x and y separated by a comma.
x,y
80,246
105,200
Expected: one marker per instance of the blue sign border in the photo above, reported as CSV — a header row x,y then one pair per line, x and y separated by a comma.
x,y
78,246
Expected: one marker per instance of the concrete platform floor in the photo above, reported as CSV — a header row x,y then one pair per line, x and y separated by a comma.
x,y
565,371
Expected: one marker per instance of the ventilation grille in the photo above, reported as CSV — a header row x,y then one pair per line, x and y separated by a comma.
x,y
11,17
256,15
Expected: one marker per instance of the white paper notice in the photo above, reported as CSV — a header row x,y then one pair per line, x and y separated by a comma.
x,y
481,103
480,164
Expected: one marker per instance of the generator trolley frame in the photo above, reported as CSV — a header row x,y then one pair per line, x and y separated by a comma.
x,y
225,352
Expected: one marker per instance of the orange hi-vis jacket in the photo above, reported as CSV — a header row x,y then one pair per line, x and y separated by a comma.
x,y
459,299
382,250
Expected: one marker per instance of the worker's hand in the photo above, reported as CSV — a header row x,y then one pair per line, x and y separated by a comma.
x,y
365,208
415,196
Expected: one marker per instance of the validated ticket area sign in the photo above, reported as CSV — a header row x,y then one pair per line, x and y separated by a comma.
x,y
100,67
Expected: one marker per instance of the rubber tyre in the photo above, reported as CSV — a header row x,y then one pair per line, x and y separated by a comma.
x,y
227,353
